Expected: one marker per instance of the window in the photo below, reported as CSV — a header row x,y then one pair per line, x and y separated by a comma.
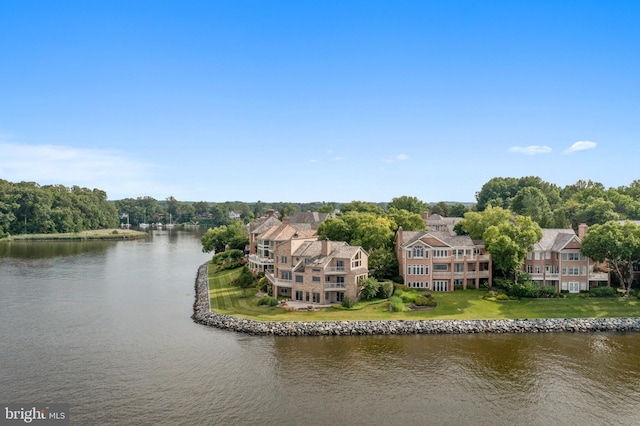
x,y
306,296
547,255
536,255
458,267
340,265
283,260
316,269
298,295
440,285
299,279
440,267
536,269
339,296
529,269
564,257
574,256
418,251
340,280
315,279
440,253
316,297
564,271
574,270
327,279
285,275
417,270
583,271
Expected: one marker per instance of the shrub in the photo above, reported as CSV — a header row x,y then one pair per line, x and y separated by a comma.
x,y
399,291
408,297
604,292
502,296
370,287
347,302
547,292
266,300
395,304
386,290
426,300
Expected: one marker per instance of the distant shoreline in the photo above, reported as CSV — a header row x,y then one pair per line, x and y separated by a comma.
x,y
96,234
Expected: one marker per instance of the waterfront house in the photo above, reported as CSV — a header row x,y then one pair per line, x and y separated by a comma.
x,y
556,261
318,272
441,260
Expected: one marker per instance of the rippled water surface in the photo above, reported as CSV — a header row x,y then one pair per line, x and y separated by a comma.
x,y
105,327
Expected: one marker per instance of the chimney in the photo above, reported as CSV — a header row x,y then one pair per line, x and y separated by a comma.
x,y
400,238
326,247
286,220
425,215
582,230
270,212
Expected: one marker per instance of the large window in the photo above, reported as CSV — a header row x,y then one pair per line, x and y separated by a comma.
x,y
299,278
315,279
285,275
440,286
418,270
458,267
418,251
298,295
441,267
440,253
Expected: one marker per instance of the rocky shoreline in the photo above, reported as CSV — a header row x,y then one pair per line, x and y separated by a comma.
x,y
202,314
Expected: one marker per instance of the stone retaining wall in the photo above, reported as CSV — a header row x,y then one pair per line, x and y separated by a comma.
x,y
202,314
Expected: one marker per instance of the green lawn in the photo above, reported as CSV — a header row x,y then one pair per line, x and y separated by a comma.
x,y
96,234
462,304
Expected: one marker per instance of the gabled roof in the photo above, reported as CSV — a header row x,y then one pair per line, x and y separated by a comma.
x,y
412,237
284,232
312,250
555,239
262,224
312,218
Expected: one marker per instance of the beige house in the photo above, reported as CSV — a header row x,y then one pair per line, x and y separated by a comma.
x,y
318,272
264,257
440,260
556,261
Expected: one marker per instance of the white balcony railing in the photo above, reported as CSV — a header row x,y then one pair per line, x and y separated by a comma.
x,y
329,286
335,270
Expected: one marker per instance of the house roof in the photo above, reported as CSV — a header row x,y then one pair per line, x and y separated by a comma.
x,y
312,218
554,239
312,250
262,224
410,237
284,232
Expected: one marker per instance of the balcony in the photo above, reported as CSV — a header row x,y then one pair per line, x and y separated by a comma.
x,y
277,281
335,286
333,270
258,260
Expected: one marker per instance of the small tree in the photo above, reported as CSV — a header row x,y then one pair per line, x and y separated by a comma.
x,y
369,288
245,280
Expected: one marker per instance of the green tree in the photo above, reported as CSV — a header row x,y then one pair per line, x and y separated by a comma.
x,y
361,207
616,244
411,204
510,241
530,201
245,280
383,263
476,223
408,220
233,236
441,208
369,288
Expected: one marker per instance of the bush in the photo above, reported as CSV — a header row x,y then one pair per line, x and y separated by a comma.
x,y
347,302
547,292
426,300
604,292
395,304
502,296
266,300
370,288
408,297
386,290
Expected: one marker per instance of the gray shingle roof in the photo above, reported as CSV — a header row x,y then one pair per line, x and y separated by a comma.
x,y
554,239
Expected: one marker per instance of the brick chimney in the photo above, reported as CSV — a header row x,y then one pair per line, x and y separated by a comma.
x,y
286,220
582,230
326,247
425,215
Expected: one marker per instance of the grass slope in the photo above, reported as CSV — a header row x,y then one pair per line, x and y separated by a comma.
x,y
463,304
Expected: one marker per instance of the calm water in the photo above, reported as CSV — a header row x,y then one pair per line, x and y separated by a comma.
x,y
105,327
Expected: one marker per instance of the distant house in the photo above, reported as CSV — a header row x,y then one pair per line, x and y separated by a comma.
x,y
441,260
234,215
318,272
556,261
435,222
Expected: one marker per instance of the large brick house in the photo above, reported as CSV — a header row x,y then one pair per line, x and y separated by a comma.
x,y
318,272
441,260
556,261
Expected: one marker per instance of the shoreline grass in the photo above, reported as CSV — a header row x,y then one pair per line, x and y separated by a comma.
x,y
459,305
96,234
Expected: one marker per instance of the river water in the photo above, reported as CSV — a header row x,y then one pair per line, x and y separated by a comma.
x,y
106,328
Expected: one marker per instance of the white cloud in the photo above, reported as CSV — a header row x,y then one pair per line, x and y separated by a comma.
x,y
337,159
111,171
531,149
399,157
580,146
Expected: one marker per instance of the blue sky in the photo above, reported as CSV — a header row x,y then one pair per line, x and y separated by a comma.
x,y
317,100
